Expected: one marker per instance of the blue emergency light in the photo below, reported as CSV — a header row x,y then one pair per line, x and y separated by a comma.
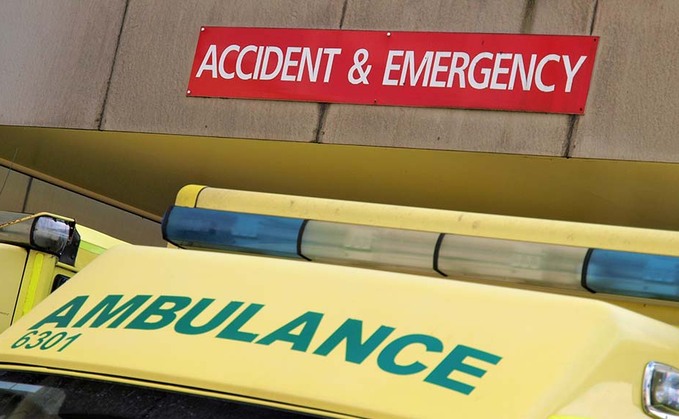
x,y
633,274
197,228
451,255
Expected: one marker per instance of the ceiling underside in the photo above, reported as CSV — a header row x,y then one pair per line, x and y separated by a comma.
x,y
142,173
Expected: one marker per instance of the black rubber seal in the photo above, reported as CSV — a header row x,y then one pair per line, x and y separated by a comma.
x,y
195,203
583,277
437,249
70,252
299,240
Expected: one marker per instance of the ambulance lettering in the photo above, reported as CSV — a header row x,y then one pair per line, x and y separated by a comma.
x,y
393,354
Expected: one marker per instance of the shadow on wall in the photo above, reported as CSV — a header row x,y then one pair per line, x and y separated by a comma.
x,y
21,193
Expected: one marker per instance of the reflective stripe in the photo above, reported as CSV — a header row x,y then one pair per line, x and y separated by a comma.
x,y
34,280
92,248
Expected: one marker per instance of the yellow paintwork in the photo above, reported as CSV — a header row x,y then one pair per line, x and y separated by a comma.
x,y
555,356
92,244
26,277
559,355
41,268
12,261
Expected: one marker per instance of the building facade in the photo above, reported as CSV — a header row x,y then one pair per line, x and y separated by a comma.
x,y
95,121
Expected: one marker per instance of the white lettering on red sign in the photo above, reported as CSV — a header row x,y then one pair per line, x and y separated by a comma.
x,y
433,69
301,58
543,73
459,65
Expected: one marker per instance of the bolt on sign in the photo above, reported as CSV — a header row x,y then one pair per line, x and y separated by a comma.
x,y
533,73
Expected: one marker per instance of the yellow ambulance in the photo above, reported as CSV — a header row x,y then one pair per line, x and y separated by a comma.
x,y
38,253
281,306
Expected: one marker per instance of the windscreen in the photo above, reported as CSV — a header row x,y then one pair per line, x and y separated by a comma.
x,y
46,396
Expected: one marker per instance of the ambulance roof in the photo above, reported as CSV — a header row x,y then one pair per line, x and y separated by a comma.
x,y
338,339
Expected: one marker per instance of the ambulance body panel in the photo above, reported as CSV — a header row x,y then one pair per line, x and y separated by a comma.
x,y
280,306
344,340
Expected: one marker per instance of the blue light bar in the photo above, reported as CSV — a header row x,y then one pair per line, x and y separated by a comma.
x,y
456,256
199,228
633,274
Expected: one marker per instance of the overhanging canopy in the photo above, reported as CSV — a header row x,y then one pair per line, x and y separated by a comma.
x,y
143,172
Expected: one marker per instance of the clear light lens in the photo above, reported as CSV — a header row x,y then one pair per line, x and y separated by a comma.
x,y
50,234
661,391
514,261
633,274
376,247
41,232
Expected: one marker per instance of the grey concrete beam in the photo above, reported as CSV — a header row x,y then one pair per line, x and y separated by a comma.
x,y
13,188
455,129
104,218
633,101
56,60
563,17
444,129
151,73
435,15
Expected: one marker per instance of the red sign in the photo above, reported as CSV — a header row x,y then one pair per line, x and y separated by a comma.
x,y
537,73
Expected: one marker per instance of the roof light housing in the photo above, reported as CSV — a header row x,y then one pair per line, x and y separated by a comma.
x,y
44,232
553,266
660,391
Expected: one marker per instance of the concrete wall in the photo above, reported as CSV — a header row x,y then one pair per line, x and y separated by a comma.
x,y
56,60
123,65
21,193
69,63
634,96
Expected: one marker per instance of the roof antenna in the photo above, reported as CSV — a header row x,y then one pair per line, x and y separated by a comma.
x,y
9,169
